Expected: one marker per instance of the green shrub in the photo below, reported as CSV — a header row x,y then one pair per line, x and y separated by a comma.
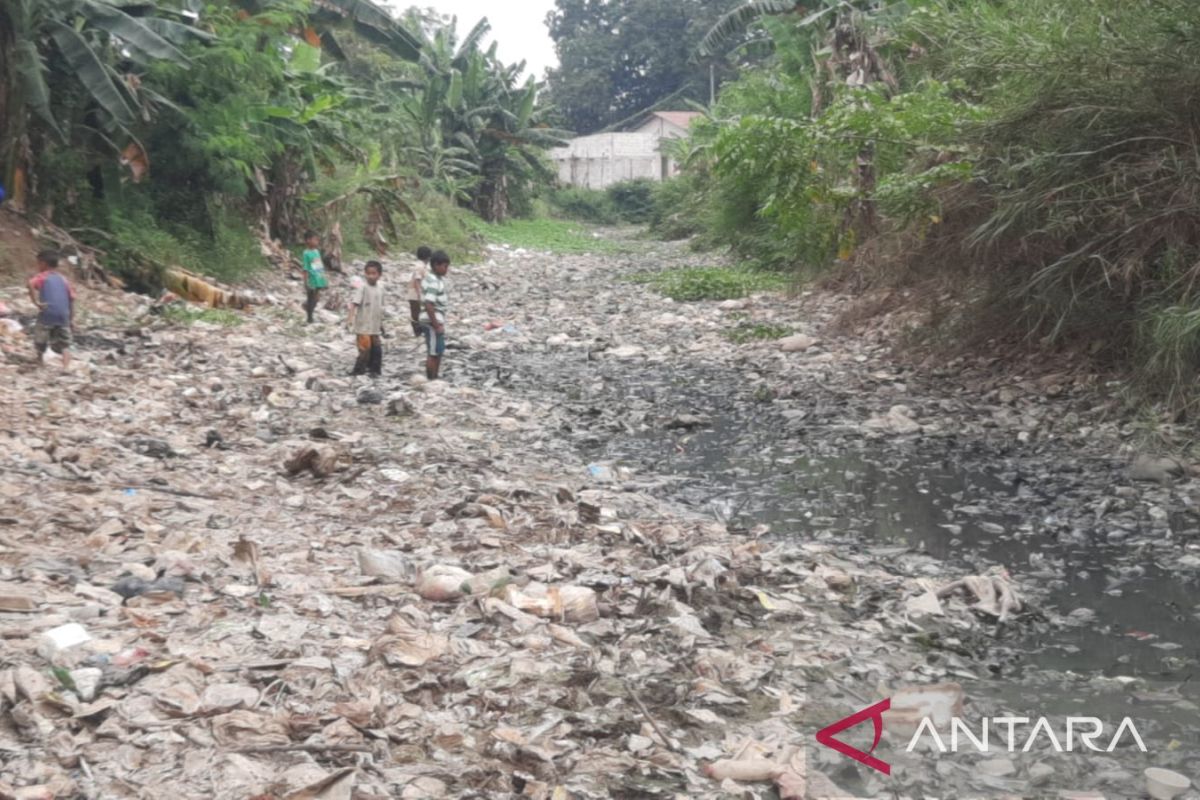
x,y
710,283
585,205
633,200
680,208
550,235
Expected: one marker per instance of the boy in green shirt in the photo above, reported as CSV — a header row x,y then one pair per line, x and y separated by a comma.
x,y
314,273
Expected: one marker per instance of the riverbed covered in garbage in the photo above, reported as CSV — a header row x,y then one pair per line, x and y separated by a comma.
x,y
1108,566
614,554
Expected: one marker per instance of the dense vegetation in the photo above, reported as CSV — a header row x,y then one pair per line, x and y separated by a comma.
x,y
158,129
1028,168
619,58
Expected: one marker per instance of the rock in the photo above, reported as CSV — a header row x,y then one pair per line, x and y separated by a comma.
x,y
1041,773
380,564
149,446
835,579
320,461
399,406
997,767
687,422
898,421
369,396
17,602
1153,468
87,681
799,343
626,352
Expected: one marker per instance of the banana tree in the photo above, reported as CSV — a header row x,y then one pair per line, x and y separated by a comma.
x,y
49,48
473,110
842,33
511,145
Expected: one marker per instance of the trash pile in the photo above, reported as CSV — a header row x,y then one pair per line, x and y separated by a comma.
x,y
227,570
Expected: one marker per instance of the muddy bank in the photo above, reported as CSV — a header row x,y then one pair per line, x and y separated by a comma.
x,y
610,550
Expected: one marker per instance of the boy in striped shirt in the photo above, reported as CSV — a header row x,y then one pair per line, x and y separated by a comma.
x,y
436,300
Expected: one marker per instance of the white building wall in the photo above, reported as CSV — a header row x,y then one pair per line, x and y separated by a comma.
x,y
599,161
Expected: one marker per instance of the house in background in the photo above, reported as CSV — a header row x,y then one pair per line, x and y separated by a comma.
x,y
600,160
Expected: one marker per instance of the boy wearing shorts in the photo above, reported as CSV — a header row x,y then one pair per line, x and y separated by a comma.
x,y
436,298
54,297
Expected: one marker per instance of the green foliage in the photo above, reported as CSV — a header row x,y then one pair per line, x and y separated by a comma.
x,y
268,115
1037,158
141,243
549,235
747,332
680,208
624,57
584,205
710,283
633,200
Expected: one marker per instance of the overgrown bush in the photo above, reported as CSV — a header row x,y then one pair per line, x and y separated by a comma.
x,y
1034,166
633,200
585,205
679,208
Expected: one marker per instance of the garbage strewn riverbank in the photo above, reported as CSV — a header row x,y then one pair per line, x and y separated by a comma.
x,y
295,584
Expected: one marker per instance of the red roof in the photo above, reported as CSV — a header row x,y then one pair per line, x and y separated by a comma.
x,y
683,119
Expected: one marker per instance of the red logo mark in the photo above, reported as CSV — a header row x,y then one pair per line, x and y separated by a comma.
x,y
875,714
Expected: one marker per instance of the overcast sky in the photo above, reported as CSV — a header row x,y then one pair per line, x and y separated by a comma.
x,y
518,25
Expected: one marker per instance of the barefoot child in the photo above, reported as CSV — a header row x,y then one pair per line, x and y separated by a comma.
x,y
54,296
366,322
436,298
315,281
420,270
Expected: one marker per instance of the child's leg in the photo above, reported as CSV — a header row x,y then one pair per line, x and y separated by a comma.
x,y
375,366
41,341
364,355
310,303
60,343
415,307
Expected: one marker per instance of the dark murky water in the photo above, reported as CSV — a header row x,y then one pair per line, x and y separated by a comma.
x,y
954,500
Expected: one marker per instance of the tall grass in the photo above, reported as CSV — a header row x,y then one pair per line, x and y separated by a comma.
x,y
1087,198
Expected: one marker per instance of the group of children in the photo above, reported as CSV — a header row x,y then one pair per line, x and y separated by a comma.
x,y
426,292
428,302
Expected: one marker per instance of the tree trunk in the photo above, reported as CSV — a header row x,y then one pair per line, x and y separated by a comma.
x,y
284,197
12,115
491,202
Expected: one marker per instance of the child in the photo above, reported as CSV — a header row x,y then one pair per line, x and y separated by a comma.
x,y
366,322
314,273
437,300
420,269
54,296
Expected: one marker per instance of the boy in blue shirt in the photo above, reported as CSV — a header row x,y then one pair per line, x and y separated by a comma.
x,y
54,297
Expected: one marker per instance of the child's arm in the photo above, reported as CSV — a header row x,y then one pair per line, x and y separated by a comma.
x,y
33,293
433,319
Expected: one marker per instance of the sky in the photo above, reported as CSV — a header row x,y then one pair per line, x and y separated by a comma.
x,y
518,25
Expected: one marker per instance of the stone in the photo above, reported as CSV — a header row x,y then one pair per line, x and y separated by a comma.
x,y
997,767
369,396
799,343
1153,468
